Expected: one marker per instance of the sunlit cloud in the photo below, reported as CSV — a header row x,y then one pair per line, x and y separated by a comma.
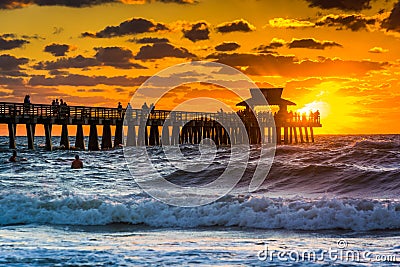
x,y
378,50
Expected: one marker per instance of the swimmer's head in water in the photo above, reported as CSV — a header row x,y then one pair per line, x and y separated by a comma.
x,y
15,153
76,156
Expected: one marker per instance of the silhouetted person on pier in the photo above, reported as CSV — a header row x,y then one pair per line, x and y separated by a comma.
x,y
128,114
27,103
303,117
77,163
119,109
145,106
316,116
152,107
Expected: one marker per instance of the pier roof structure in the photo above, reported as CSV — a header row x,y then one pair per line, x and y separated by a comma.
x,y
272,95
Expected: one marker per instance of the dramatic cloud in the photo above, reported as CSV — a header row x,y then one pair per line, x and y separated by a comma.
x,y
82,80
8,42
162,50
227,46
12,4
148,40
66,63
58,50
274,44
290,66
8,81
10,65
378,50
352,22
129,27
312,44
309,43
346,5
392,23
290,23
197,32
116,57
235,26
108,56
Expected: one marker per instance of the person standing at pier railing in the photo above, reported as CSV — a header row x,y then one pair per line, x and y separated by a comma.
x,y
128,114
119,109
27,103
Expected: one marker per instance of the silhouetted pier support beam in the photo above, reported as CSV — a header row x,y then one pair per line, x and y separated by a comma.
x,y
301,135
312,134
142,134
286,135
106,142
80,139
165,135
175,135
29,135
47,132
295,135
118,135
11,135
154,139
64,137
131,136
306,132
278,135
93,138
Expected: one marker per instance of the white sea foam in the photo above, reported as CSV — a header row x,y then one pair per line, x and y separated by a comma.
x,y
244,211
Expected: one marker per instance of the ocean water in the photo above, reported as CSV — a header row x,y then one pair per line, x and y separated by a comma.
x,y
335,202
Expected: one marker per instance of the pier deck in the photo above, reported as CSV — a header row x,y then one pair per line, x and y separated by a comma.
x,y
182,127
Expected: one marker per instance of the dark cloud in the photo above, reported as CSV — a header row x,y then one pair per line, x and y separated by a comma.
x,y
392,23
227,46
346,5
12,4
8,81
162,50
66,63
290,66
11,66
197,32
235,26
274,44
352,22
58,72
116,57
148,40
9,41
312,44
58,50
129,27
82,80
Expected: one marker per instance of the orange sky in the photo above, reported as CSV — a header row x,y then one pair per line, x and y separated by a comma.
x,y
340,57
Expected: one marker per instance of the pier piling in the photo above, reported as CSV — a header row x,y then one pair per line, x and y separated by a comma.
x,y
11,135
47,132
64,142
93,138
79,139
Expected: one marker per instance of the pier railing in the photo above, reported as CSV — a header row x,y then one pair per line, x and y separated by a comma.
x,y
15,110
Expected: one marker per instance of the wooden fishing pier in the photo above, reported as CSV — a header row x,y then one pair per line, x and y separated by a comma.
x,y
156,127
